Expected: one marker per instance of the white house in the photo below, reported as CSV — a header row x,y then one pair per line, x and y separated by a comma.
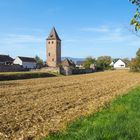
x,y
118,64
26,62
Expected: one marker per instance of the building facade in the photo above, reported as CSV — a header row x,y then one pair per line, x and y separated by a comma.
x,y
67,67
118,64
26,62
53,45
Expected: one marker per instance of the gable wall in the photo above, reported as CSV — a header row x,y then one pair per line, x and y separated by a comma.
x,y
119,64
18,61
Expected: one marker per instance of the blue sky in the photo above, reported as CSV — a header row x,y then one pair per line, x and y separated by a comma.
x,y
86,27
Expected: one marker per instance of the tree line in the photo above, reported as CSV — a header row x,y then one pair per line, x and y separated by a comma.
x,y
103,62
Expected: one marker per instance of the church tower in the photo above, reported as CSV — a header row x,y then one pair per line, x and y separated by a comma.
x,y
53,45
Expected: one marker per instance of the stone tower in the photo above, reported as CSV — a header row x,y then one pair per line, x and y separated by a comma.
x,y
53,45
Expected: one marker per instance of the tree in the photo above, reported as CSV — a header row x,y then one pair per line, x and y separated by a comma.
x,y
126,61
39,61
136,18
138,59
88,61
135,62
138,53
133,65
103,62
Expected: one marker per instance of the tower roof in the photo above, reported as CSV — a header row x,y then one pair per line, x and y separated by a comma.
x,y
53,35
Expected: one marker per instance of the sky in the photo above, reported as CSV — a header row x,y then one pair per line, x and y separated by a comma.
x,y
86,27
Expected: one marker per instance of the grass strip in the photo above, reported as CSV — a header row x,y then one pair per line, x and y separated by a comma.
x,y
119,120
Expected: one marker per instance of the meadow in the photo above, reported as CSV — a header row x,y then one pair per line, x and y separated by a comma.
x,y
34,108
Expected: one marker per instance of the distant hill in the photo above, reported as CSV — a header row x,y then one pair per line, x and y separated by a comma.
x,y
73,59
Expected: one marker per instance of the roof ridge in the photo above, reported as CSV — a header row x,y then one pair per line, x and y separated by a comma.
x,y
26,57
53,35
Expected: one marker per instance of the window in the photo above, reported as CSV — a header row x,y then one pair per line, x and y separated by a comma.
x,y
49,54
52,42
53,59
49,42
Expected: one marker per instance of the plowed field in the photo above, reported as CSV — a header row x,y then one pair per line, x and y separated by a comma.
x,y
30,109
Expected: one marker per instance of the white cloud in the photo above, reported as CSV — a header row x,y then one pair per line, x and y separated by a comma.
x,y
106,35
14,39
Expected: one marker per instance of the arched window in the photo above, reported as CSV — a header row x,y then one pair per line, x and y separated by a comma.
x,y
49,54
52,42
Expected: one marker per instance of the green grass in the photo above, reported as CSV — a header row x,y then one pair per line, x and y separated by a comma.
x,y
120,120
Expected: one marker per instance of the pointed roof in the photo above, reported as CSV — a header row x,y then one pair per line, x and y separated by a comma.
x,y
116,59
53,35
67,62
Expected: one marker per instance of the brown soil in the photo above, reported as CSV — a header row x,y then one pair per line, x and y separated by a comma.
x,y
30,109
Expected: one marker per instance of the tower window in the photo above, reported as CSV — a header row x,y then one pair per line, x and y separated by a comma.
x,y
49,42
52,42
53,59
49,54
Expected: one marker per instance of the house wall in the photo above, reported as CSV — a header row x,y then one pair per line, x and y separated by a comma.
x,y
29,65
18,61
119,64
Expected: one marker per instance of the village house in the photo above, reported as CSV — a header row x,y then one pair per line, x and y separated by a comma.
x,y
67,67
26,62
6,60
118,64
80,64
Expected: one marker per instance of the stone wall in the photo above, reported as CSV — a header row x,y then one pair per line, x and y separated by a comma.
x,y
82,71
11,68
70,71
49,69
66,70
